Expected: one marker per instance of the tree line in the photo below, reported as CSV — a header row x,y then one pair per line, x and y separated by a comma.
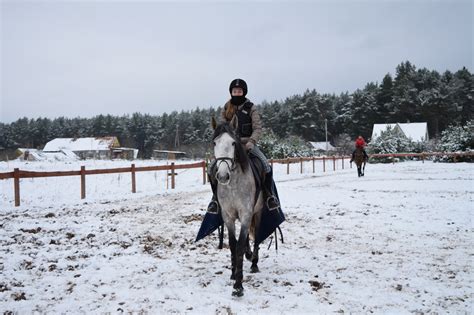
x,y
411,95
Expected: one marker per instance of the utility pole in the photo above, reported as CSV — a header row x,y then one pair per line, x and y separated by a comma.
x,y
326,129
176,139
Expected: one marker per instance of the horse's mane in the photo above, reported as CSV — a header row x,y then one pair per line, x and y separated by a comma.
x,y
240,154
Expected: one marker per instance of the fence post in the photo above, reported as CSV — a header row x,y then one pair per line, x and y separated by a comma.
x,y
83,182
16,186
393,159
313,164
423,157
334,163
172,175
301,165
343,162
204,172
324,164
134,185
287,166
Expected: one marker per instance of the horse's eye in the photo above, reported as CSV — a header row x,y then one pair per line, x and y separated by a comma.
x,y
214,143
233,143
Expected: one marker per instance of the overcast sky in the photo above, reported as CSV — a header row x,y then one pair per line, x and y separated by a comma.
x,y
83,58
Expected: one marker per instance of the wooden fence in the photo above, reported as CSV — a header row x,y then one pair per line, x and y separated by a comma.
x,y
422,155
312,159
17,174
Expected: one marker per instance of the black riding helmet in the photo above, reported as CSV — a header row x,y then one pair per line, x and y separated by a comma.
x,y
238,83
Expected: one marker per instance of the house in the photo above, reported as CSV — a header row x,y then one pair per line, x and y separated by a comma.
x,y
84,148
417,132
320,147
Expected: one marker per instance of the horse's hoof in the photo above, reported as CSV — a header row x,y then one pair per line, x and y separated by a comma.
x,y
248,256
238,292
254,269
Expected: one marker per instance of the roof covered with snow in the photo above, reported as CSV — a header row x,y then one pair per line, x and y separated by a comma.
x,y
321,146
416,131
81,144
38,155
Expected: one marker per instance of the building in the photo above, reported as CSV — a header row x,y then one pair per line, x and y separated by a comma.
x,y
169,155
320,147
28,154
124,153
91,148
417,132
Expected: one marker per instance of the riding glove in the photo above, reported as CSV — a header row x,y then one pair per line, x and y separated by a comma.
x,y
249,146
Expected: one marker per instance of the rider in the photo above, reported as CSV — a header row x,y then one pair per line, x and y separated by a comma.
x,y
249,129
359,144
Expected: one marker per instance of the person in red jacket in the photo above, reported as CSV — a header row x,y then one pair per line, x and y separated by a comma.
x,y
360,143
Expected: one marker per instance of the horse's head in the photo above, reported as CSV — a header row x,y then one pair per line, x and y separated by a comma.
x,y
228,150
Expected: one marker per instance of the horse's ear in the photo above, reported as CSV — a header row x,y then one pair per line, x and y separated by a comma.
x,y
234,122
213,123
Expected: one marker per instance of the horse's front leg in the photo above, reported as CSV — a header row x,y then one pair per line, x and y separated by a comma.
x,y
233,251
239,259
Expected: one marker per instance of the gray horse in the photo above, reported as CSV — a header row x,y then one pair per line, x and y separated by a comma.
x,y
236,192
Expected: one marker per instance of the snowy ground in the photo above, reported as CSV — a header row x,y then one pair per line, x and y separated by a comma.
x,y
398,240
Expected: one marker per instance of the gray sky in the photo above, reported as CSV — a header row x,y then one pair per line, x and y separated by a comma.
x,y
83,58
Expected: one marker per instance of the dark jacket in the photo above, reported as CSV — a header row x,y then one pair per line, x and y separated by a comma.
x,y
255,121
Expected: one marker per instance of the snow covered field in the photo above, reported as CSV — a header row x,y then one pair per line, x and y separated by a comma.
x,y
398,240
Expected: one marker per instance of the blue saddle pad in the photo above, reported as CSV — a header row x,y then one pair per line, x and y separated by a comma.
x,y
268,224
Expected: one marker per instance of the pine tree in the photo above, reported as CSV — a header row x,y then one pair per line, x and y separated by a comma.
x,y
405,93
384,99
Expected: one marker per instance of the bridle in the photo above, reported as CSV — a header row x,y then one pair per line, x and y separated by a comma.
x,y
226,160
230,162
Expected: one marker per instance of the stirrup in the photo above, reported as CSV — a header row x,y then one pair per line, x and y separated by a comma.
x,y
276,202
210,208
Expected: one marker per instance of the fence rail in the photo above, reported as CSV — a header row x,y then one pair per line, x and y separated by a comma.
x,y
424,154
313,159
17,174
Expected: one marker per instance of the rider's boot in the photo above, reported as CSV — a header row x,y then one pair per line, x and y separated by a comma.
x,y
213,206
271,200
